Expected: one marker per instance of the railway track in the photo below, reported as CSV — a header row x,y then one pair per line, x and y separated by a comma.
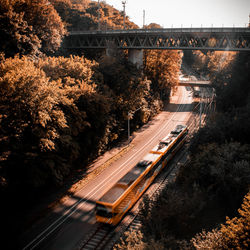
x,y
45,234
98,238
156,189
105,236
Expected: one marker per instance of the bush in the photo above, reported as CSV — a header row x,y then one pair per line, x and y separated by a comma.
x,y
232,235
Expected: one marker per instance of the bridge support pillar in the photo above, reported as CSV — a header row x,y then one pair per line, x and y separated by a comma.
x,y
111,49
135,56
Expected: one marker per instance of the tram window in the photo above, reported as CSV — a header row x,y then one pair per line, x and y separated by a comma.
x,y
103,211
144,163
174,132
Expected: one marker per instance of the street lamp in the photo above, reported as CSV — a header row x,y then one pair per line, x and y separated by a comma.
x,y
124,12
130,116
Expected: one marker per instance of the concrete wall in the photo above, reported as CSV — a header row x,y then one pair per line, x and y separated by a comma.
x,y
135,56
111,49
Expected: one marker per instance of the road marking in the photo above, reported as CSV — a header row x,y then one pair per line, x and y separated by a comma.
x,y
71,210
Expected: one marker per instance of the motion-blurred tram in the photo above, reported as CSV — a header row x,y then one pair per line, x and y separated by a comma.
x,y
112,206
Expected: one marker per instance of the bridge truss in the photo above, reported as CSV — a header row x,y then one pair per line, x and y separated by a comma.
x,y
227,39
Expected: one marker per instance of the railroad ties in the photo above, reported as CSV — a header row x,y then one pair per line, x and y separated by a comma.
x,y
98,238
105,236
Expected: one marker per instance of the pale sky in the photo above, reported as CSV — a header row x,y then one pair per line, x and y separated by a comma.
x,y
227,13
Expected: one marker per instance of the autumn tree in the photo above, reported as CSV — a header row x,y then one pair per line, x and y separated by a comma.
x,y
16,33
63,8
129,90
162,68
234,234
236,231
110,18
208,63
231,83
41,117
83,15
27,26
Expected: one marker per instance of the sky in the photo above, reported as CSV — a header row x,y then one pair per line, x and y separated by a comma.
x,y
187,13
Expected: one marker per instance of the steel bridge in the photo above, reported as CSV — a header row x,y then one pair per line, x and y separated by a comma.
x,y
224,39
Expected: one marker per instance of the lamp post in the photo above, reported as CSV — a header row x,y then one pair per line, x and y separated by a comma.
x,y
201,103
124,13
128,126
130,113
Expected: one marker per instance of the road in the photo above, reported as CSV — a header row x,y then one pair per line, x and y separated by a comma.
x,y
71,221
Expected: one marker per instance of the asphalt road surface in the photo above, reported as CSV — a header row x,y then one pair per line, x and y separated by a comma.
x,y
71,221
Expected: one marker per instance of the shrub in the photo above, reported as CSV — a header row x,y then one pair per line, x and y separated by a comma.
x,y
232,235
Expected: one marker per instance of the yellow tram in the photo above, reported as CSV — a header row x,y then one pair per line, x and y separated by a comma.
x,y
112,206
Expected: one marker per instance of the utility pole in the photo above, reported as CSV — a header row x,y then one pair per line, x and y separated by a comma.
x,y
201,102
128,126
124,13
143,19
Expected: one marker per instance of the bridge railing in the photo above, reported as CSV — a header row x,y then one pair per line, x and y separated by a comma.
x,y
228,39
165,30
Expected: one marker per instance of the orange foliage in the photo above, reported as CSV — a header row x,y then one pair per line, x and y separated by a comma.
x,y
233,235
27,26
83,15
236,232
39,113
162,67
212,62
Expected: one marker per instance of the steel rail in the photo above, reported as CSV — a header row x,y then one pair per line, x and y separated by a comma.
x,y
70,211
153,191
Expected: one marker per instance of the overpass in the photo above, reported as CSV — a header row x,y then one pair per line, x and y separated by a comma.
x,y
135,40
225,39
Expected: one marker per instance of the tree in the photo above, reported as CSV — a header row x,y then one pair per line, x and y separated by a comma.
x,y
232,235
162,68
220,170
83,15
231,84
63,7
236,231
40,117
28,26
16,33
